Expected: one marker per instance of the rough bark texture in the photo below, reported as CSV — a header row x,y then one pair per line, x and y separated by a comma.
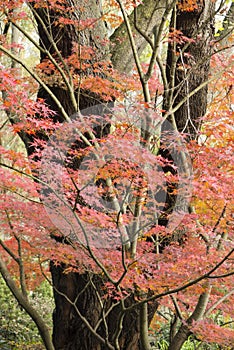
x,y
64,38
193,69
188,65
69,330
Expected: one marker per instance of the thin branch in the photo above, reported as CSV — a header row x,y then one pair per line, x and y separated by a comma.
x,y
86,322
52,40
177,308
138,29
18,259
3,124
69,83
38,80
201,86
157,39
171,81
163,72
9,251
186,285
211,308
103,319
219,218
39,321
144,84
119,323
222,275
188,119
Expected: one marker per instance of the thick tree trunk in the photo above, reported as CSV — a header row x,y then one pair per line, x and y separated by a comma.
x,y
188,65
187,71
77,299
70,330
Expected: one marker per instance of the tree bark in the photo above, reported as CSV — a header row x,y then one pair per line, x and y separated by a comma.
x,y
147,17
71,333
77,300
184,330
78,306
187,69
188,66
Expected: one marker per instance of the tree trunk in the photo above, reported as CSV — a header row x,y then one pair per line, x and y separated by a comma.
x,y
188,65
77,296
70,331
187,69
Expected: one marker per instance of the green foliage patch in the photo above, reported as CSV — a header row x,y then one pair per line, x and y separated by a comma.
x,y
17,330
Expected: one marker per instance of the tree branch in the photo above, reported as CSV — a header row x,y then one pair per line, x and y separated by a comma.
x,y
41,325
184,330
150,14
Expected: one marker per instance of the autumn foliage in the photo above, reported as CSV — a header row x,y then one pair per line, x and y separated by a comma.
x,y
91,193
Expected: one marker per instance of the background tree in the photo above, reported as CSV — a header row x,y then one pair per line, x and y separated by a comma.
x,y
97,307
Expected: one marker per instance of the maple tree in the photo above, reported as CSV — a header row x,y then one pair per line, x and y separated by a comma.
x,y
123,201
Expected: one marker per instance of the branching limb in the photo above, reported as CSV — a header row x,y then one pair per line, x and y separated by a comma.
x,y
201,86
218,302
41,325
68,82
184,330
38,80
18,259
144,84
85,321
205,276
